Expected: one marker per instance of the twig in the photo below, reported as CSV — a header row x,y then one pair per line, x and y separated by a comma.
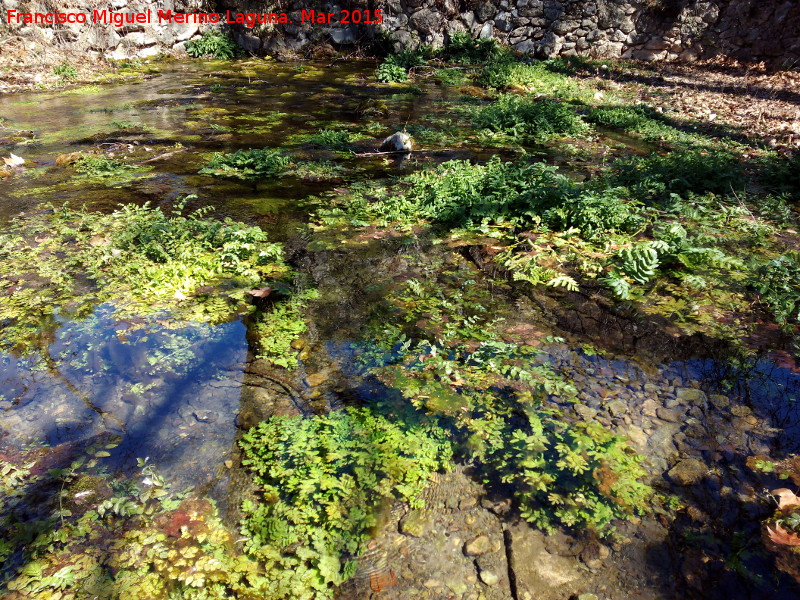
x,y
402,152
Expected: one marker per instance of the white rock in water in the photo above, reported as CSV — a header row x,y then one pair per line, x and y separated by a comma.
x,y
397,142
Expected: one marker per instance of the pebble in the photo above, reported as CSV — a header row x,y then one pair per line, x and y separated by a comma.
x,y
467,503
415,523
670,415
316,379
688,471
477,546
489,577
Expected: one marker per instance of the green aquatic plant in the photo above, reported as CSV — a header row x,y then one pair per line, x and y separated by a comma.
x,y
137,258
213,44
100,538
98,166
492,393
321,483
250,165
463,48
334,139
275,330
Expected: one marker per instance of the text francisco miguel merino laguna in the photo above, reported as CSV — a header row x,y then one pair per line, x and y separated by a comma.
x,y
120,19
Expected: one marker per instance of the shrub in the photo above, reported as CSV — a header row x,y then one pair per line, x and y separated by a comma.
x,y
516,115
213,44
321,482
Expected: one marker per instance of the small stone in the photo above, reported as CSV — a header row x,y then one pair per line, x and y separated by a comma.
x,y
719,401
317,379
477,546
228,464
588,596
205,416
688,471
489,577
415,523
691,395
616,407
432,583
467,503
669,415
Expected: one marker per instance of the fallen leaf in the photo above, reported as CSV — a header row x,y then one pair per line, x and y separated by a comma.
x,y
261,292
780,536
14,160
786,497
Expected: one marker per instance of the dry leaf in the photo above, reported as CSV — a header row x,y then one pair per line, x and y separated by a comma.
x,y
14,160
780,536
786,497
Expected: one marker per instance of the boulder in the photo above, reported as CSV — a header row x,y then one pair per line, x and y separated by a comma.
x,y
397,142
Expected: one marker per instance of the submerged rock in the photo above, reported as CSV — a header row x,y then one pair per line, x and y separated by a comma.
x,y
397,142
688,471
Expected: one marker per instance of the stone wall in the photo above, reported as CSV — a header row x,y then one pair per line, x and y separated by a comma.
x,y
684,30
642,29
135,40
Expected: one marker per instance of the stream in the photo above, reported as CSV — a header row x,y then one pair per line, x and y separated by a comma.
x,y
178,394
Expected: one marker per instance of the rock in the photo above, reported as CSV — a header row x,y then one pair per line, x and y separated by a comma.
x,y
719,401
688,471
538,573
415,523
467,503
616,407
488,577
478,545
691,395
595,555
670,415
397,142
587,596
317,379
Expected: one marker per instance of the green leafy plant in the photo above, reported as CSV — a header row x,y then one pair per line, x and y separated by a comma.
x,y
678,173
139,259
321,483
462,48
778,282
213,44
252,165
516,115
98,166
396,67
66,70
490,392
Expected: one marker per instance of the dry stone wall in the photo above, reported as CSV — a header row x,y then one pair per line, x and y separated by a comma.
x,y
642,29
683,30
131,40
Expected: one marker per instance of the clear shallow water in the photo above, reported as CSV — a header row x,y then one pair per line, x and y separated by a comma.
x,y
170,391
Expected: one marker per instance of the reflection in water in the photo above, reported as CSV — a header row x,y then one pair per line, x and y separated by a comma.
x,y
171,390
